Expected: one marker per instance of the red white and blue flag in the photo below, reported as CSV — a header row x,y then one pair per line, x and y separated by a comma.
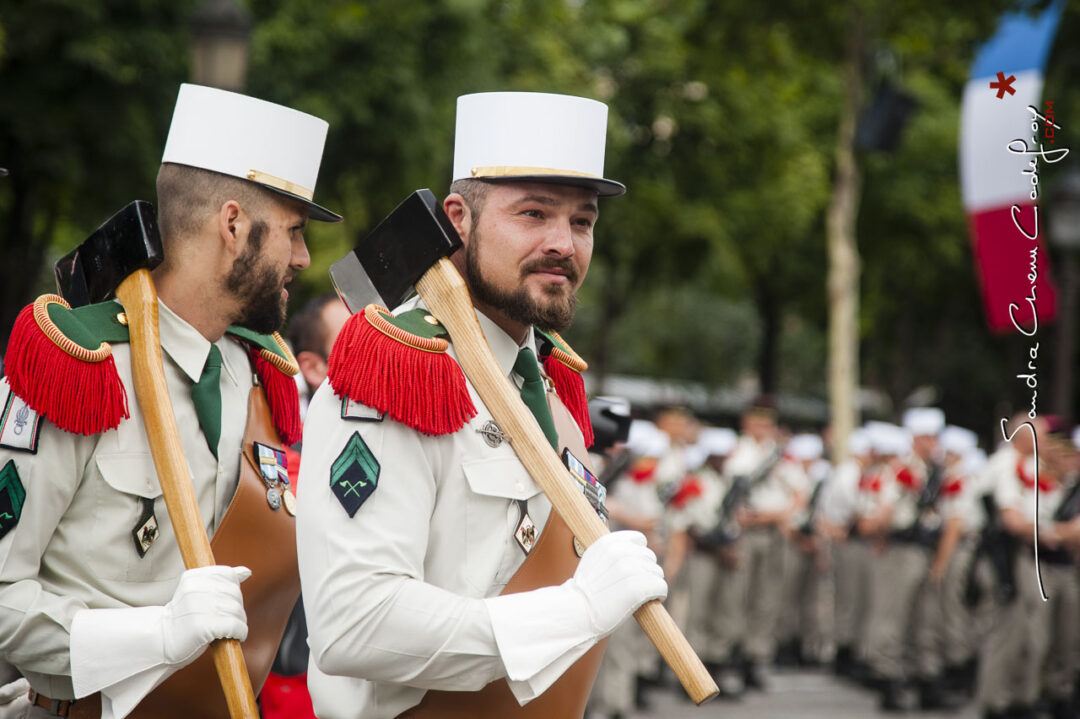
x,y
1007,78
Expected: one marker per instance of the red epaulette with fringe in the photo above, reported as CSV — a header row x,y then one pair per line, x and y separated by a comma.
x,y
399,366
277,368
563,367
59,362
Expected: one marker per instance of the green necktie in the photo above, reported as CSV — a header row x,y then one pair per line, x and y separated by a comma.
x,y
207,397
533,395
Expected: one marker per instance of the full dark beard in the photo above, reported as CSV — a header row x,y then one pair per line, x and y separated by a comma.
x,y
555,315
257,286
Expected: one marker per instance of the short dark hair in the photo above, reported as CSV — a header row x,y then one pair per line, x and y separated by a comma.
x,y
186,195
474,192
307,331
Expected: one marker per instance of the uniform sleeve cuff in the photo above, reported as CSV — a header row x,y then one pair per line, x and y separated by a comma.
x,y
540,633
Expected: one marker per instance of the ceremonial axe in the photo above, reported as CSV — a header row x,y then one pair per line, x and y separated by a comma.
x,y
410,248
117,259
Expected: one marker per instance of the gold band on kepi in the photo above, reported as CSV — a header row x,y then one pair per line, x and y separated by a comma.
x,y
518,171
265,178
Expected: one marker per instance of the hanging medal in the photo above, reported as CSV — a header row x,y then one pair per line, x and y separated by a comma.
x,y
273,468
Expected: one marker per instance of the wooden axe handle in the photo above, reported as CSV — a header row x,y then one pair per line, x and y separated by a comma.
x,y
139,298
446,296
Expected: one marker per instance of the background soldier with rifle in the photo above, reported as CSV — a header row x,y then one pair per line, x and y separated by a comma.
x,y
763,501
908,523
1031,647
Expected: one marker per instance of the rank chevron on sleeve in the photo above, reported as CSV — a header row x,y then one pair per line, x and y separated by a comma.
x,y
354,475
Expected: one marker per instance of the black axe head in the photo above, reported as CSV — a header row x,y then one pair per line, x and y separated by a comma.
x,y
383,268
128,241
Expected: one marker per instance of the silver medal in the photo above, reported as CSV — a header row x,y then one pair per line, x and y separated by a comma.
x,y
273,498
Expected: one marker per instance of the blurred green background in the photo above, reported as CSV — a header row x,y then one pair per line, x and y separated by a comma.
x,y
723,125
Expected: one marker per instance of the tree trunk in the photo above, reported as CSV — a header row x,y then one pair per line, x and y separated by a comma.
x,y
843,282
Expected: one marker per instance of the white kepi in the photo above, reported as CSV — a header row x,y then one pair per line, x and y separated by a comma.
x,y
532,136
272,145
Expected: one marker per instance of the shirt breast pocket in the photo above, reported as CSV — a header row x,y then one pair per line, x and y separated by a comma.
x,y
492,514
128,504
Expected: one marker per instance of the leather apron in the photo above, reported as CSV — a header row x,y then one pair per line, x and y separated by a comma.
x,y
253,535
551,562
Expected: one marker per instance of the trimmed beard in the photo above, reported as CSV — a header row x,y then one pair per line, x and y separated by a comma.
x,y
257,287
517,305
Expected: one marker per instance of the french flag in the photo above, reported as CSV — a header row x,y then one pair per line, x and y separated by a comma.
x,y
992,178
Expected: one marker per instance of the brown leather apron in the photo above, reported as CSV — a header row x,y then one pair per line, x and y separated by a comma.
x,y
552,561
255,536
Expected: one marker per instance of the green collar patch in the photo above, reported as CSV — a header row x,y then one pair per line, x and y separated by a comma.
x,y
90,325
551,344
263,342
12,497
354,474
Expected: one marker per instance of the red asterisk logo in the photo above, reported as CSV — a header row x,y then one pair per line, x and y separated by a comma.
x,y
1003,85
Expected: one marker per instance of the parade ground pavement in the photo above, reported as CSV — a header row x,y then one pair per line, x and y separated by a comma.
x,y
800,694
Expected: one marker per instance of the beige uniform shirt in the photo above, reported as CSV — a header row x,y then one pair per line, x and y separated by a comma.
x,y
1014,493
779,490
73,547
393,594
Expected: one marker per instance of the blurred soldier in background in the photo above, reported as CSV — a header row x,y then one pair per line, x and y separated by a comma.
x,y
959,636
709,565
805,629
1031,649
851,555
771,499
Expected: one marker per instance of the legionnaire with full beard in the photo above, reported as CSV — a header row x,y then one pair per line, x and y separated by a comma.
x,y
95,602
416,513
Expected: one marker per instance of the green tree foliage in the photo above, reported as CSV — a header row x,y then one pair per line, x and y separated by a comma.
x,y
88,89
723,118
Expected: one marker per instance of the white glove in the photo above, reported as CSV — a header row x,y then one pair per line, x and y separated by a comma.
x,y
125,653
617,574
540,633
206,605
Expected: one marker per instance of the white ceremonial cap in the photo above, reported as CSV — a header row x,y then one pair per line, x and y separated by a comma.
x,y
924,421
533,136
719,441
272,145
859,442
958,440
887,438
646,439
804,447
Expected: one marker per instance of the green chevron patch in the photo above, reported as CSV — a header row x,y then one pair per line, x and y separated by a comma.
x,y
354,474
12,497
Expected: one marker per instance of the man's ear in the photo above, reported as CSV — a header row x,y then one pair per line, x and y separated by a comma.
x,y
458,212
313,368
233,227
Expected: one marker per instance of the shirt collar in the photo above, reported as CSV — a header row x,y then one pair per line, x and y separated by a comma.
x,y
182,342
503,345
